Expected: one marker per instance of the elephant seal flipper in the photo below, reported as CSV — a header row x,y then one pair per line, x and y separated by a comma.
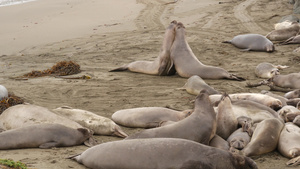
x,y
293,162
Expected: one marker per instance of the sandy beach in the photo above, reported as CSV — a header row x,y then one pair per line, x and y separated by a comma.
x,y
102,35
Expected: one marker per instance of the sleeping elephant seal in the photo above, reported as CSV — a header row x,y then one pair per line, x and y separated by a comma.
x,y
265,137
147,117
267,70
3,92
279,97
289,145
42,136
239,139
195,84
200,126
187,64
162,65
98,124
293,94
161,153
284,34
291,80
252,42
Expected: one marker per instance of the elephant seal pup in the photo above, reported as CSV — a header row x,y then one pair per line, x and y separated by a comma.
x,y
284,34
219,142
195,84
98,124
291,40
22,115
288,113
265,137
252,42
291,80
226,121
256,97
162,65
143,153
267,70
42,136
3,92
239,139
187,64
147,117
292,94
200,126
288,144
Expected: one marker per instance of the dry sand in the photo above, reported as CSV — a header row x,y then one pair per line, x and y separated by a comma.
x,y
134,32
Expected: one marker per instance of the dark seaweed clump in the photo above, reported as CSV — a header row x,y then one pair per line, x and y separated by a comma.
x,y
9,101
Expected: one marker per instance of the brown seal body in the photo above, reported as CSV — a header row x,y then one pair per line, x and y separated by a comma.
x,y
291,80
219,142
265,137
284,34
147,117
162,65
187,64
252,42
200,126
292,40
195,84
289,141
293,94
42,136
161,153
267,70
239,139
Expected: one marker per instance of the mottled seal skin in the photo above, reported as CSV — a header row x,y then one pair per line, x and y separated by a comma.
x,y
200,126
187,64
265,137
252,42
22,115
293,94
256,97
289,144
3,92
284,34
161,153
162,65
147,117
219,142
291,80
42,136
267,70
195,84
238,139
279,97
98,124
226,121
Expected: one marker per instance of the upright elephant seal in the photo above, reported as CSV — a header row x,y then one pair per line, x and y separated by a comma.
x,y
265,137
98,124
195,84
200,126
162,65
289,144
161,153
3,92
226,121
42,136
252,42
147,117
267,70
284,34
293,94
187,64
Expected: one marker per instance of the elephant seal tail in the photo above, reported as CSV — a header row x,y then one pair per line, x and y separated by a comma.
x,y
123,68
227,41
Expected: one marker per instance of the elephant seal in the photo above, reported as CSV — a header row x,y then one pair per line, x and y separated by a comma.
x,y
288,144
291,40
256,97
291,80
279,97
267,70
219,142
98,124
288,113
3,92
252,42
239,139
284,34
226,121
265,137
200,126
296,120
246,124
187,64
147,117
293,94
282,25
294,102
195,84
162,65
42,136
291,18
143,153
